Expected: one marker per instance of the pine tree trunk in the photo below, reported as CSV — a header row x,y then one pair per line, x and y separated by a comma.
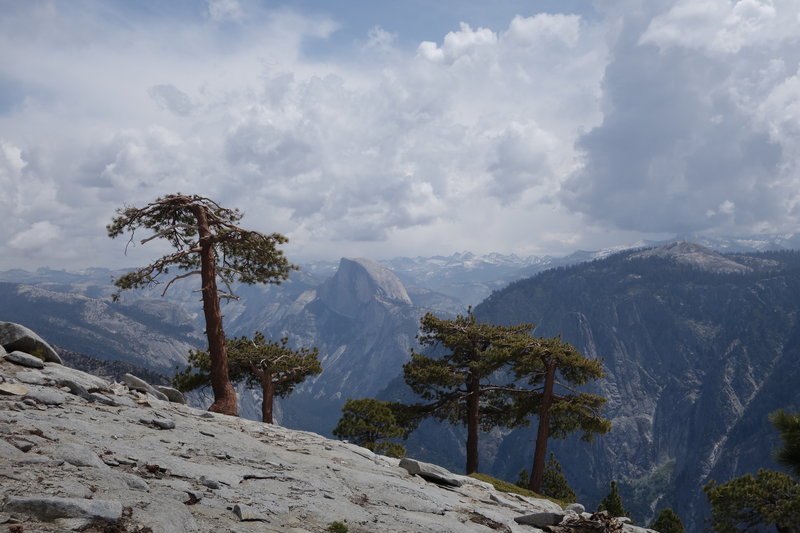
x,y
473,418
224,393
543,433
268,390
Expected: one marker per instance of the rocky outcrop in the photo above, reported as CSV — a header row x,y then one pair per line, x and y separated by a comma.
x,y
17,337
359,282
364,324
137,463
157,334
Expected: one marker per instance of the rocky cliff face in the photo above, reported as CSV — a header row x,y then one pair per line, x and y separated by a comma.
x,y
698,349
154,333
364,324
83,454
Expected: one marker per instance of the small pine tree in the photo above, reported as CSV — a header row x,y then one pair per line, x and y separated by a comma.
x,y
612,503
789,427
370,423
554,483
668,522
522,479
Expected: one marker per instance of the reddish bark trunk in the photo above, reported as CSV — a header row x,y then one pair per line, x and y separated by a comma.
x,y
473,418
224,393
543,433
268,388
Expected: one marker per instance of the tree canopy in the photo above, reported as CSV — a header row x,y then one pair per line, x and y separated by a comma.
x,y
372,424
748,503
668,522
457,385
208,242
549,370
612,503
273,366
788,425
487,376
554,482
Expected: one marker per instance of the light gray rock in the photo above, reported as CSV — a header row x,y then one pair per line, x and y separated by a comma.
x,y
9,450
32,378
299,480
174,395
576,507
13,389
64,375
430,472
540,520
47,396
164,423
245,513
48,509
138,384
78,455
18,337
210,483
24,359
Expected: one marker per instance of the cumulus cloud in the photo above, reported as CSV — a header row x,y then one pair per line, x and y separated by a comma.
x,y
171,98
538,135
225,10
683,146
38,235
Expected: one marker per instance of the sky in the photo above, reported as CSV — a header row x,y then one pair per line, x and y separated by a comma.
x,y
400,128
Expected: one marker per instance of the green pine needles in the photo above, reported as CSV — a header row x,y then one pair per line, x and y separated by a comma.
x,y
372,424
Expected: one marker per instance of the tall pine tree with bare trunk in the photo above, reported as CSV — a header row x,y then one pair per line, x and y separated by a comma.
x,y
549,369
208,243
458,386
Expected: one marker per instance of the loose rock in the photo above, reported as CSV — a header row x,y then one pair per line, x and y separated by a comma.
x,y
248,514
430,472
540,520
18,337
141,385
24,359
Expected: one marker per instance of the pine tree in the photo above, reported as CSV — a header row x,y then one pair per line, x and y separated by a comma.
x,y
747,502
209,243
522,479
370,423
272,366
612,503
550,369
789,427
457,385
668,522
554,483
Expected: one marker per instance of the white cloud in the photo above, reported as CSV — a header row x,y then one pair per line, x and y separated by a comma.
x,y
38,235
723,26
224,10
593,128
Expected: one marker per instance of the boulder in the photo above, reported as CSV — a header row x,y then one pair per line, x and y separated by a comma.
x,y
430,472
24,359
576,507
138,384
174,395
17,337
540,520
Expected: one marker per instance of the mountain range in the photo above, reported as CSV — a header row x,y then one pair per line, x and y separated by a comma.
x,y
698,346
